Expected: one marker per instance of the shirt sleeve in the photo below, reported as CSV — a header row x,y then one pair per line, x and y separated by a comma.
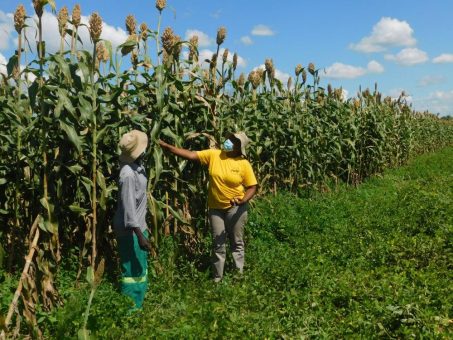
x,y
204,156
249,178
127,188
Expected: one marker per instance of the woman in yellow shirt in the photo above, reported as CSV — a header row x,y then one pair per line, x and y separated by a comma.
x,y
232,184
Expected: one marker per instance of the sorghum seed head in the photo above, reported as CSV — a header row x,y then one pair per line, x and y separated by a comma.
x,y
134,59
241,80
194,41
38,5
19,18
289,83
213,63
269,65
76,15
177,47
63,20
235,61
160,4
167,39
100,51
255,78
311,68
193,47
225,55
221,34
144,31
298,69
95,26
105,55
329,89
260,73
131,24
304,76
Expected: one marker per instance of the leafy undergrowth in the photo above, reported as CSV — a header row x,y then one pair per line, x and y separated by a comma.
x,y
368,262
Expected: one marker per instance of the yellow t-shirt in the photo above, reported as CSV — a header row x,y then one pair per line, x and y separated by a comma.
x,y
227,177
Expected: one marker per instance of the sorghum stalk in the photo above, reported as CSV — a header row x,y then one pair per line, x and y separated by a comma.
x,y
62,21
95,33
76,18
160,5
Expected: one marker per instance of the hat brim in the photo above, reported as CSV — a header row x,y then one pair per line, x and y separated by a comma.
x,y
129,157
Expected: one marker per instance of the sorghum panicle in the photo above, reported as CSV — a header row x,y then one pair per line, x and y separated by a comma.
x,y
76,15
167,39
63,20
289,83
38,5
19,18
311,68
177,47
241,80
144,31
298,69
221,34
160,4
131,24
225,55
235,61
95,26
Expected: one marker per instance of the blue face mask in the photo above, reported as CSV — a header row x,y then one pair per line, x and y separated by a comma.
x,y
228,145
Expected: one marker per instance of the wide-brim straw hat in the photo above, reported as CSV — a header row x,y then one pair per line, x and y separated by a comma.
x,y
132,145
243,139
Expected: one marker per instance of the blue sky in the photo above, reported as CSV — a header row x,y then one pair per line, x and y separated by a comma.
x,y
400,44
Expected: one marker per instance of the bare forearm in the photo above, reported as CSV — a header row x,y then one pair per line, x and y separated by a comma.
x,y
249,193
187,154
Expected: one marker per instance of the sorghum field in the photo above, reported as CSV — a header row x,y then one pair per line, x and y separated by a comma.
x,y
345,239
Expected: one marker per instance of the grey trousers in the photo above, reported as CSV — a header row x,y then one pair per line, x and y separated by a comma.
x,y
228,223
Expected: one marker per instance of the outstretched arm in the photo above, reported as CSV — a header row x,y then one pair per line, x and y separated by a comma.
x,y
187,154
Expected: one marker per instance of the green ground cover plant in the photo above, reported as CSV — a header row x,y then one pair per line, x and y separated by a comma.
x,y
366,262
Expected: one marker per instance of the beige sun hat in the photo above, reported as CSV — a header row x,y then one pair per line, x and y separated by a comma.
x,y
132,145
242,137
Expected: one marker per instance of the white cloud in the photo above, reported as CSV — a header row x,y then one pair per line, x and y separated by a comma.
x,y
344,94
374,67
386,33
443,58
408,57
262,30
431,80
246,40
203,39
343,71
3,63
216,14
6,29
440,102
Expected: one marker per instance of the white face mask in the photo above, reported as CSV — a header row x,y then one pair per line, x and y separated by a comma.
x,y
228,145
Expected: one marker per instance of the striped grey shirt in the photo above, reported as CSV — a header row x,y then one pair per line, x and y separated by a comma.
x,y
132,200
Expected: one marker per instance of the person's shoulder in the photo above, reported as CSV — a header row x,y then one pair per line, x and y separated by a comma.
x,y
211,152
126,171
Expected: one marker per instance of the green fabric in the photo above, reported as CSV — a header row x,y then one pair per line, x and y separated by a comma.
x,y
134,268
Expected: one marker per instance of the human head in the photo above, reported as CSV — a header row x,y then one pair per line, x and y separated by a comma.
x,y
132,145
241,138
